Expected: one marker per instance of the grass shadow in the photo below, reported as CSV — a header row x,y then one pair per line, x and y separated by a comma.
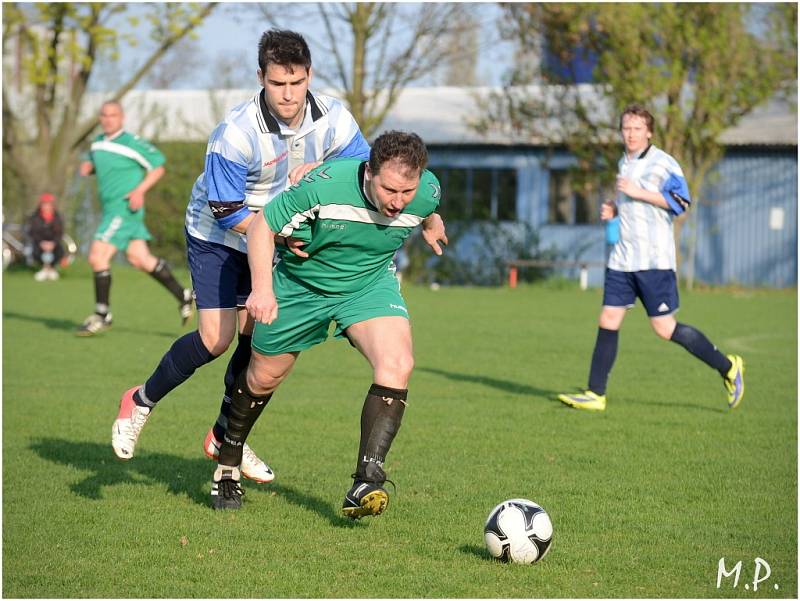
x,y
504,385
315,504
67,325
476,551
188,477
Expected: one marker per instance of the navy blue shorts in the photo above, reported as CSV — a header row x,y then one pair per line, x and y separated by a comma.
x,y
657,289
220,274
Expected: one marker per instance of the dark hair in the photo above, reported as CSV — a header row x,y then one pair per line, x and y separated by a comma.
x,y
282,47
639,111
408,148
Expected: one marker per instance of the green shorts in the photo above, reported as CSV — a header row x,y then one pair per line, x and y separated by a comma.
x,y
304,316
119,229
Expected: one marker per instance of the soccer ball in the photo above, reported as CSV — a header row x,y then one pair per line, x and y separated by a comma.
x,y
518,531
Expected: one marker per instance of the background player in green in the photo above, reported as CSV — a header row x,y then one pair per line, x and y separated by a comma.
x,y
354,216
126,167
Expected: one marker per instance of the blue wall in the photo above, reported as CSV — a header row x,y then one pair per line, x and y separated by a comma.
x,y
746,219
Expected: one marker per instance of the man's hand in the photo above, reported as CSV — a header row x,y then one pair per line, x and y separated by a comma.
x,y
135,199
47,245
433,232
608,210
86,168
296,174
262,306
628,188
295,247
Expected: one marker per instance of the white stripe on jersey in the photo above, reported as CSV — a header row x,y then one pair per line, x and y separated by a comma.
x,y
646,238
269,156
362,215
126,151
297,220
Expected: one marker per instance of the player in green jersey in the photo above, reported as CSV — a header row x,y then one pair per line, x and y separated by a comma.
x,y
353,215
126,167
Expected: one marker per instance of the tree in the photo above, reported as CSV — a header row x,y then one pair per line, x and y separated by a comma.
x,y
371,51
699,67
53,48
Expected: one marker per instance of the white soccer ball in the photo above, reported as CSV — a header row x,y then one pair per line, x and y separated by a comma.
x,y
518,531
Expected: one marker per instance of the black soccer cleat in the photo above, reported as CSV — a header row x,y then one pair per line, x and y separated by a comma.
x,y
365,498
226,492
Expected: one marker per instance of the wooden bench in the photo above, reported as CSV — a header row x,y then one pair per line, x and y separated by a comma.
x,y
583,266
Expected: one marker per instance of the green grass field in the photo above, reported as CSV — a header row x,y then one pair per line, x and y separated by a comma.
x,y
645,498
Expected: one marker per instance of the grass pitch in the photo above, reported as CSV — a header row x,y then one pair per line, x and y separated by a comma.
x,y
645,498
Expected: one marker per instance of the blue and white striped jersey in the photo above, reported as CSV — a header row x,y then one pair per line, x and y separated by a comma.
x,y
645,230
249,157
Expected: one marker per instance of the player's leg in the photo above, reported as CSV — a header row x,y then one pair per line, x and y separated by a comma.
x,y
302,322
214,278
100,254
386,344
660,297
252,466
141,258
619,295
376,322
249,396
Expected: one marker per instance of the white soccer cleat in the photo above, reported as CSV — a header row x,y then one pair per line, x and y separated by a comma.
x,y
252,467
128,425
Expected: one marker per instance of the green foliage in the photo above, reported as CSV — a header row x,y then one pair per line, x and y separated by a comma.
x,y
477,254
59,45
645,498
167,200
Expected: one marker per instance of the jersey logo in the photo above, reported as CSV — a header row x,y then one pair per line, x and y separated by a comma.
x,y
322,174
437,191
277,159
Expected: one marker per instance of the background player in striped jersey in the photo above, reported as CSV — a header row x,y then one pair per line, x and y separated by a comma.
x,y
126,167
651,191
354,216
260,148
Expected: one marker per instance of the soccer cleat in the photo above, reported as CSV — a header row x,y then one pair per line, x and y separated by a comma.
x,y
365,498
94,324
734,381
41,275
226,491
128,425
187,308
584,400
252,467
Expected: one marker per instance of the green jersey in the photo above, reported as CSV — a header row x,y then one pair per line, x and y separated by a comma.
x,y
120,163
349,242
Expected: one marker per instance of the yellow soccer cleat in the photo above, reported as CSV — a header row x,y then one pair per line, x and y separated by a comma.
x,y
734,381
584,400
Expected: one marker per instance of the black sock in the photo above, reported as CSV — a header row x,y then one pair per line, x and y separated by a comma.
x,y
694,341
237,364
380,420
603,357
245,409
164,276
177,365
102,291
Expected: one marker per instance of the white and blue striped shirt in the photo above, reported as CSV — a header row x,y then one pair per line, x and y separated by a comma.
x,y
645,230
249,157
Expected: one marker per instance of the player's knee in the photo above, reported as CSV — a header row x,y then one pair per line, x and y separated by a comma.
x,y
395,370
261,382
217,342
663,328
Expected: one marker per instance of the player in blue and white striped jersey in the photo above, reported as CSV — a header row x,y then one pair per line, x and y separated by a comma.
x,y
262,147
651,191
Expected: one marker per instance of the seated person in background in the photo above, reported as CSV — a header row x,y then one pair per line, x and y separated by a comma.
x,y
44,229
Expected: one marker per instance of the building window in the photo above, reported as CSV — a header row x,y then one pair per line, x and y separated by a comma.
x,y
480,194
571,201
